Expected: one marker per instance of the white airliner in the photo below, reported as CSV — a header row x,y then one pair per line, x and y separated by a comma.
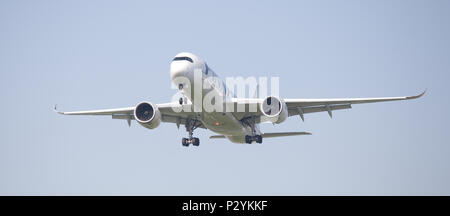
x,y
237,126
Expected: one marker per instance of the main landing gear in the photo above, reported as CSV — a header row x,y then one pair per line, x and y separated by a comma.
x,y
194,141
191,125
251,122
250,139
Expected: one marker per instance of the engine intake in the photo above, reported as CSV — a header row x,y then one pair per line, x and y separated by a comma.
x,y
273,109
147,115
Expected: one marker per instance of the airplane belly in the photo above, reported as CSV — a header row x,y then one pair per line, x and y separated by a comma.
x,y
223,123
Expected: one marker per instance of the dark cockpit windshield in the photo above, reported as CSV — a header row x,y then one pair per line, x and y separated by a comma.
x,y
183,58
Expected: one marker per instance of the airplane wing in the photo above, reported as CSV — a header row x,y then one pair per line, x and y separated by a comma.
x,y
295,107
304,106
127,113
121,111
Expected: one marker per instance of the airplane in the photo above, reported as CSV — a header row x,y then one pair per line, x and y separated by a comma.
x,y
237,126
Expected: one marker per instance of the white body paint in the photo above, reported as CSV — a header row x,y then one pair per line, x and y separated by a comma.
x,y
228,125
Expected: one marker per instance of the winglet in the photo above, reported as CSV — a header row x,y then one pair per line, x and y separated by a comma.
x,y
56,110
417,96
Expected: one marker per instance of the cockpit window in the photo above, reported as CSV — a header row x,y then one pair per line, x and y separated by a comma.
x,y
183,58
206,69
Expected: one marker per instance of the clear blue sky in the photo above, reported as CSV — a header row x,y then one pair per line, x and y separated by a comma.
x,y
107,54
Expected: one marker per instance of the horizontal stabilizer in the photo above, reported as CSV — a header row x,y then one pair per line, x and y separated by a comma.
x,y
217,137
282,134
268,135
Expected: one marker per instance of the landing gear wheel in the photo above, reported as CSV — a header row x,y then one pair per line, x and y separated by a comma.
x,y
195,141
184,142
258,139
248,139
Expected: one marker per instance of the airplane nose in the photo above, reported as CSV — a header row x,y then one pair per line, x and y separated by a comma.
x,y
178,69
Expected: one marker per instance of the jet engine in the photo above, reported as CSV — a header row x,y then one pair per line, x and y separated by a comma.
x,y
274,110
147,115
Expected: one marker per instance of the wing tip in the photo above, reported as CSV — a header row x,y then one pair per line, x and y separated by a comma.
x,y
418,96
56,110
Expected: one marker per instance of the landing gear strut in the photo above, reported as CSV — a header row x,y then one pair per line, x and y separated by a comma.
x,y
191,125
254,137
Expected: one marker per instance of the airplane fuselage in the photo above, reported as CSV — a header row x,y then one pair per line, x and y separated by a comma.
x,y
190,73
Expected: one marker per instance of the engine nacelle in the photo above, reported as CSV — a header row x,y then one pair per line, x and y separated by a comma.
x,y
273,109
147,115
